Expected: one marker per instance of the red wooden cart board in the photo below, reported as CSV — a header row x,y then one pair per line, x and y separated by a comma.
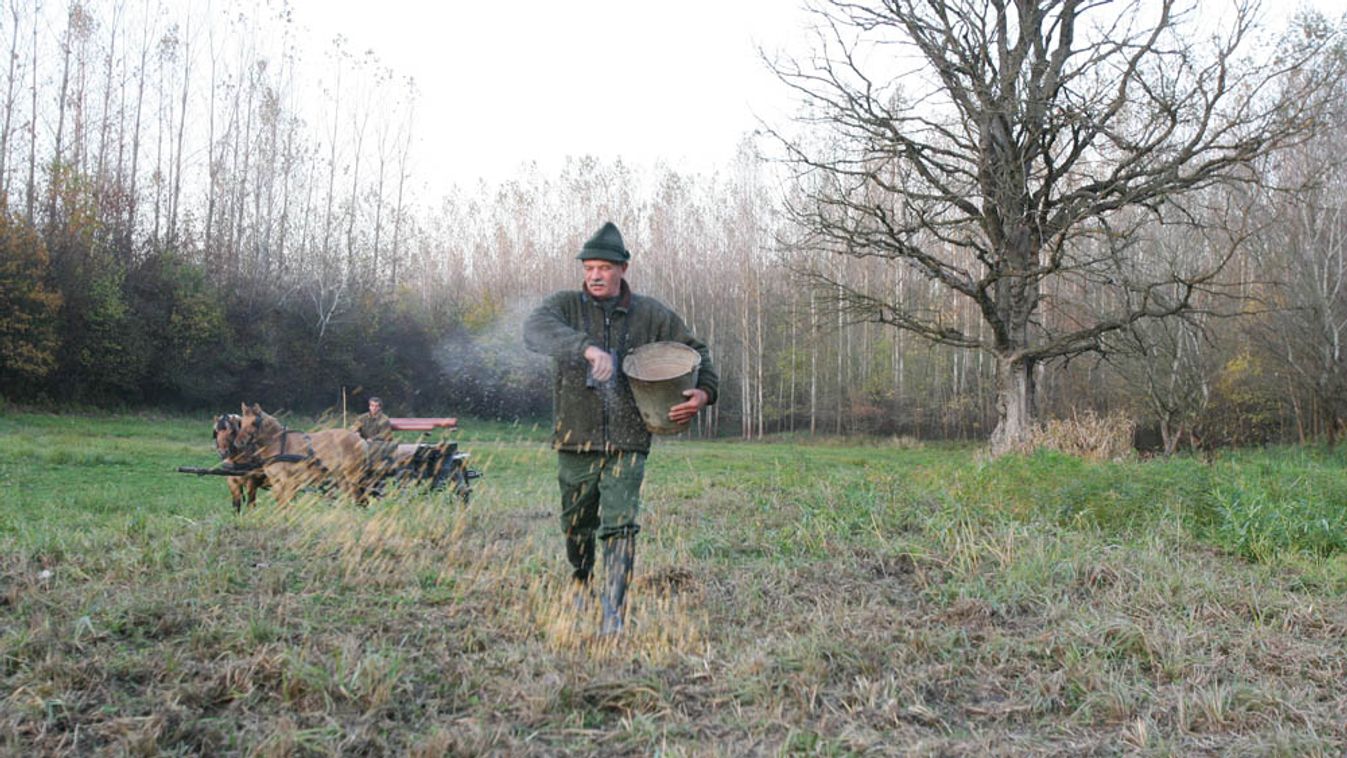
x,y
422,424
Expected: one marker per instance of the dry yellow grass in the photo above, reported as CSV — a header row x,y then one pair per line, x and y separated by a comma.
x,y
1089,435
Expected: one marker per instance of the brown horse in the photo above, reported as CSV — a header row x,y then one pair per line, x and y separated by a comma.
x,y
293,459
226,444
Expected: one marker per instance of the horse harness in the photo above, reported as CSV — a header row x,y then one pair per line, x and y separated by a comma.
x,y
309,456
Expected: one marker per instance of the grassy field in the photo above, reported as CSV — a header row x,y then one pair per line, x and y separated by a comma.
x,y
835,599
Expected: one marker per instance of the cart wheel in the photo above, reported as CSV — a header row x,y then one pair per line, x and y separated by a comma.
x,y
443,476
462,487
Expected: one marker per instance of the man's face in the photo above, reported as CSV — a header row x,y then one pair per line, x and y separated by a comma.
x,y
375,407
603,279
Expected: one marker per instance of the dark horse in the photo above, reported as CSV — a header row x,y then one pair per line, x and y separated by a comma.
x,y
226,436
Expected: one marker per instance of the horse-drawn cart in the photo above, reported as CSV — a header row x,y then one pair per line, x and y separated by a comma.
x,y
437,465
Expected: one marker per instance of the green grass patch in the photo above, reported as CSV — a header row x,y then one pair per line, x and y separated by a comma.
x,y
790,598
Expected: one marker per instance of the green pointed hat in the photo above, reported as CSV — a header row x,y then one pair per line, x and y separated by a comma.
x,y
606,244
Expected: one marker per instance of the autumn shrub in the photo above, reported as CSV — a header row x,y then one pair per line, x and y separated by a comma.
x,y
1089,435
1245,405
28,307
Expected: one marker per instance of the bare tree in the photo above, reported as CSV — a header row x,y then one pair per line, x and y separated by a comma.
x,y
326,291
175,184
1007,132
339,53
1172,363
403,167
74,25
133,174
11,84
30,188
1305,252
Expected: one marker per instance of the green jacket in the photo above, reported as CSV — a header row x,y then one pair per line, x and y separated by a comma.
x,y
371,427
570,321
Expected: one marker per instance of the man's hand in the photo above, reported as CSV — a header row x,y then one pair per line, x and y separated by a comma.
x,y
600,363
683,412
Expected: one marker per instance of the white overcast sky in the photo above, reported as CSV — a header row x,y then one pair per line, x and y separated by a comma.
x,y
504,83
509,82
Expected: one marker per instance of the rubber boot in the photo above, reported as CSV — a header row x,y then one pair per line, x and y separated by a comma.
x,y
619,556
580,553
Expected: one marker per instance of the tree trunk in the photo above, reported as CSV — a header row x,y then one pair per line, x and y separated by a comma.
x,y
131,196
1169,436
757,301
54,183
794,358
813,366
357,148
332,162
175,195
842,345
10,82
104,127
31,188
394,253
1015,396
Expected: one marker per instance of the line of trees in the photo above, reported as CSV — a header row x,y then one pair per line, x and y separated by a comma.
x,y
198,211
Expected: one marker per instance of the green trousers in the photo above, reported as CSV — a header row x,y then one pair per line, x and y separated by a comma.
x,y
600,492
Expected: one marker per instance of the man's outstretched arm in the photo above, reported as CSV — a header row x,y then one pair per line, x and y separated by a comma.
x,y
547,331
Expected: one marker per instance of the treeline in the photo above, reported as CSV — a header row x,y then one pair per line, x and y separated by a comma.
x,y
198,211
195,212
160,332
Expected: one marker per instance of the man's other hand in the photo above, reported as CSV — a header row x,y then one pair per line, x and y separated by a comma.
x,y
683,412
